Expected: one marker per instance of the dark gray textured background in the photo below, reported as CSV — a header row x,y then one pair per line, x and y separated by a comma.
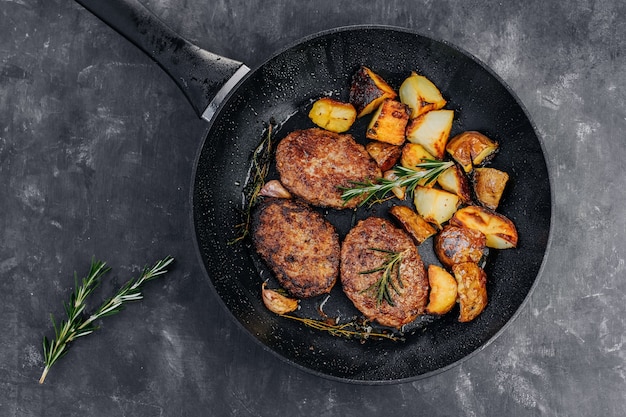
x,y
96,154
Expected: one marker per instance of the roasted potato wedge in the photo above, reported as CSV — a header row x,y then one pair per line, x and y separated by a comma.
x,y
471,148
332,115
389,122
434,205
368,90
454,180
385,154
431,130
489,184
414,154
443,290
455,244
413,223
420,94
499,231
472,290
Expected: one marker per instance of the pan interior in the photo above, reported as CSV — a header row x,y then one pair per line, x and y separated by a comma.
x,y
283,89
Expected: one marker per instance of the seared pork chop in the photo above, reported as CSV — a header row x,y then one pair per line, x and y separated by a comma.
x,y
367,247
314,163
298,244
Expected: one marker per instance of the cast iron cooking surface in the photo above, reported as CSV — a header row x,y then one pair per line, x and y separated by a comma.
x,y
283,89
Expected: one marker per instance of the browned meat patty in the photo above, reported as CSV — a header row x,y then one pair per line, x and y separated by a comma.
x,y
313,163
358,256
455,244
298,244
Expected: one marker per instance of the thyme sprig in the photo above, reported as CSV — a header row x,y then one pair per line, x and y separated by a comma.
x,y
349,330
77,324
261,161
390,278
377,190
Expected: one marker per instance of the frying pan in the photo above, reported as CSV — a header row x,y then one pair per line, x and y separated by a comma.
x,y
240,105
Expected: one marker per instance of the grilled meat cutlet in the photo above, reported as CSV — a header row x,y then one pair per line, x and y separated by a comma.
x,y
363,251
298,244
314,163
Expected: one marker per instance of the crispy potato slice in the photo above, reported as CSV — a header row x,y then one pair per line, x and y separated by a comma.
x,y
472,290
471,148
420,94
454,180
499,231
413,223
443,290
489,184
332,115
368,90
434,205
385,154
431,130
389,122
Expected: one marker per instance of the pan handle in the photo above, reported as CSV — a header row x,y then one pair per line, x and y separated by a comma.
x,y
205,78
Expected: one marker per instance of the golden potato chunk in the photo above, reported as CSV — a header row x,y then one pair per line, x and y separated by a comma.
x,y
472,290
414,154
421,95
454,180
455,245
385,154
414,224
389,122
431,130
471,148
489,184
443,290
499,231
368,90
332,115
434,205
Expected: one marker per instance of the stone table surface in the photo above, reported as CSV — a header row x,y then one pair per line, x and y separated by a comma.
x,y
97,147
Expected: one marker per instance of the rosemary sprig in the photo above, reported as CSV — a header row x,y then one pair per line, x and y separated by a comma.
x,y
410,178
76,325
261,161
349,330
389,279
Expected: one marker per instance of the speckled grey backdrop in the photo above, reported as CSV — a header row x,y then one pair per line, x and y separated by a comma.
x,y
96,154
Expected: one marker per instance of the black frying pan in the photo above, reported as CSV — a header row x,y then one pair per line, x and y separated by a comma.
x,y
282,89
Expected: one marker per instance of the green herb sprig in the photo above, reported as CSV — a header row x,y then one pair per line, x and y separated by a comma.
x,y
349,330
77,324
261,161
377,190
389,279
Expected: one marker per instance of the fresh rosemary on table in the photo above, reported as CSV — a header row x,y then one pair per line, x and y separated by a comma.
x,y
77,323
410,178
390,278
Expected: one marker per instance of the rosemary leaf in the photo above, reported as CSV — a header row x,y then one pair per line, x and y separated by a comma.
x,y
410,178
389,279
76,325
